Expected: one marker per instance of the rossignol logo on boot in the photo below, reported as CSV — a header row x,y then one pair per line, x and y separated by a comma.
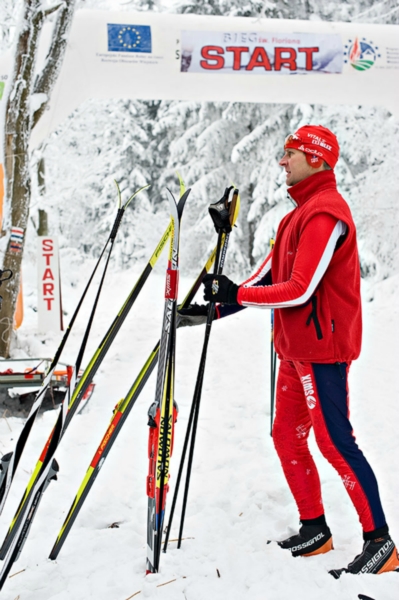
x,y
314,540
377,558
308,391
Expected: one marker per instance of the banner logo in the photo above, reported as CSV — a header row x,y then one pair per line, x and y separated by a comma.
x,y
129,38
361,54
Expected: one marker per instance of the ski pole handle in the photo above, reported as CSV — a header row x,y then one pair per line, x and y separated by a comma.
x,y
118,220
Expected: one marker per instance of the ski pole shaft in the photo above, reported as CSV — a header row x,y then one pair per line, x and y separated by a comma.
x,y
196,403
219,264
179,475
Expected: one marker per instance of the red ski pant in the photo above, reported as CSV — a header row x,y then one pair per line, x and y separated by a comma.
x,y
316,395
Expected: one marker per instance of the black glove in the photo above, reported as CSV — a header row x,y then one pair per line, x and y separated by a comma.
x,y
194,314
219,288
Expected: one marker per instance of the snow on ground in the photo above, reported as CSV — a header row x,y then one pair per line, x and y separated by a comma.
x,y
238,497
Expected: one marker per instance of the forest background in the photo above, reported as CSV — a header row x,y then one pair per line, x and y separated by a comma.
x,y
211,144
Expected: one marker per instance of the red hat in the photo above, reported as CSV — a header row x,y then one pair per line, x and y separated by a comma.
x,y
316,141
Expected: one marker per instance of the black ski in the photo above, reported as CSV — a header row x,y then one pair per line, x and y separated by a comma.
x,y
162,413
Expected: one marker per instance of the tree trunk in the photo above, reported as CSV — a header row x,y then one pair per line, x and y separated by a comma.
x,y
41,176
19,124
17,134
42,228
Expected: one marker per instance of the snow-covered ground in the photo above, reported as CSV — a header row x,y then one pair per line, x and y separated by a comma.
x,y
238,497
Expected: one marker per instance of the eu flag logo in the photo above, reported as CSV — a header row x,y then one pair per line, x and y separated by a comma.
x,y
129,38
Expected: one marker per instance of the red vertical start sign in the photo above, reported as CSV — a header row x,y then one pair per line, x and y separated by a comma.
x,y
49,307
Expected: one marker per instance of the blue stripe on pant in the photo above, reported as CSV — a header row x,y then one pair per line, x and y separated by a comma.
x,y
331,384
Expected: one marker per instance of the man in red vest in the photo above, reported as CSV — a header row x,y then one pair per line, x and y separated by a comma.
x,y
312,281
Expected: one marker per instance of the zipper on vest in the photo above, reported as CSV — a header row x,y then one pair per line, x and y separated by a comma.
x,y
313,317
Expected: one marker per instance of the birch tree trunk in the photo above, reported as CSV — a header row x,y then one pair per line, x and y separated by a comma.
x,y
18,126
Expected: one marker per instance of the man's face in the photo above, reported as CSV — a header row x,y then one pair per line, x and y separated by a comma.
x,y
296,166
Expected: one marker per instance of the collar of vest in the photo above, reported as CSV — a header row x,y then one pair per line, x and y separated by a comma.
x,y
305,189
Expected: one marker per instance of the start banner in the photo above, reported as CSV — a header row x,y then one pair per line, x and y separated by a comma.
x,y
261,53
165,56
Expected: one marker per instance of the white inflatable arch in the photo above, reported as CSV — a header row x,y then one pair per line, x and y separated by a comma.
x,y
192,57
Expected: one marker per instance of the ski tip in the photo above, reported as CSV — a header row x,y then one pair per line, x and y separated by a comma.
x,y
144,187
175,213
170,194
179,207
181,183
336,573
119,194
182,201
363,597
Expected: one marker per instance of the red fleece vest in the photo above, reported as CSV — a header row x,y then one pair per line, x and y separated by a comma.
x,y
328,328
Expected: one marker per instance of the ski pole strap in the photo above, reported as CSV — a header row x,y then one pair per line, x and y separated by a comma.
x,y
220,213
118,220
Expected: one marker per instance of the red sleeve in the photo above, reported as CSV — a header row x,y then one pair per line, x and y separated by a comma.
x,y
316,247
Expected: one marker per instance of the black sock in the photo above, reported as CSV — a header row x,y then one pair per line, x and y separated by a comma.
x,y
317,521
376,533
